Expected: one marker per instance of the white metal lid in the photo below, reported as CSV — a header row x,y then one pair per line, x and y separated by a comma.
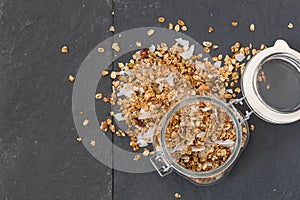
x,y
262,108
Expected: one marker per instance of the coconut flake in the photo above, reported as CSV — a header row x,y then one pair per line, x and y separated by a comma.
x,y
209,164
142,143
227,142
198,149
206,109
144,115
124,91
119,117
200,135
125,72
229,91
199,64
152,48
240,57
189,53
184,43
218,64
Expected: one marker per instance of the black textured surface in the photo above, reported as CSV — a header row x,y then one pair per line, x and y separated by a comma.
x,y
35,101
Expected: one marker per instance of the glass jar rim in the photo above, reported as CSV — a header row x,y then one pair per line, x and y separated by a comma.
x,y
228,163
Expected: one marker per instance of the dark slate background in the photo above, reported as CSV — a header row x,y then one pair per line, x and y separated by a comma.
x,y
39,155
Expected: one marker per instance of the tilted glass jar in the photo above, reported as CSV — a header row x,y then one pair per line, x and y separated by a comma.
x,y
260,99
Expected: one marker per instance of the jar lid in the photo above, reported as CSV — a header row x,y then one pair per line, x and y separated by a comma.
x,y
271,84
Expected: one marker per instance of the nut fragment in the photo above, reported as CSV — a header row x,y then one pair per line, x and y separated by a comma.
x,y
177,195
104,72
85,122
112,29
184,28
93,143
111,113
161,19
78,139
252,27
215,46
170,26
290,26
65,49
101,50
113,75
234,23
177,28
180,22
210,29
138,43
104,126
268,86
207,43
150,32
71,78
137,157
115,46
98,95
252,127
112,128
146,152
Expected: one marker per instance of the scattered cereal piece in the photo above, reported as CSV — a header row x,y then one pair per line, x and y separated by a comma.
x,y
80,113
112,13
78,139
150,32
290,26
85,122
101,50
138,43
252,127
180,22
104,72
234,24
115,46
98,95
137,157
112,29
177,195
252,27
237,90
108,121
112,113
170,26
104,126
177,28
215,46
121,65
93,143
161,19
146,152
71,78
112,128
206,49
210,29
113,75
184,28
268,86
65,49
207,43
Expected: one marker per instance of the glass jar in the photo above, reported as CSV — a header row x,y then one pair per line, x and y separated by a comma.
x,y
261,74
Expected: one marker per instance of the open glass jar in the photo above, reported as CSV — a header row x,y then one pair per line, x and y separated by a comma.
x,y
201,137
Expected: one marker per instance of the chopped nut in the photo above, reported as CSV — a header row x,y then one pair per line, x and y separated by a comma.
x,y
268,86
137,157
78,139
237,90
112,128
234,24
65,49
177,195
206,49
161,19
113,75
121,65
106,99
71,78
180,22
207,43
138,43
104,126
215,46
210,29
177,28
112,113
101,50
252,27
104,72
98,95
115,46
252,127
184,28
146,152
150,32
93,143
170,26
290,26
108,121
112,29
85,122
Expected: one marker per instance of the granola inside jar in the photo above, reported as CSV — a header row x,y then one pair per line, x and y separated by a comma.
x,y
200,138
